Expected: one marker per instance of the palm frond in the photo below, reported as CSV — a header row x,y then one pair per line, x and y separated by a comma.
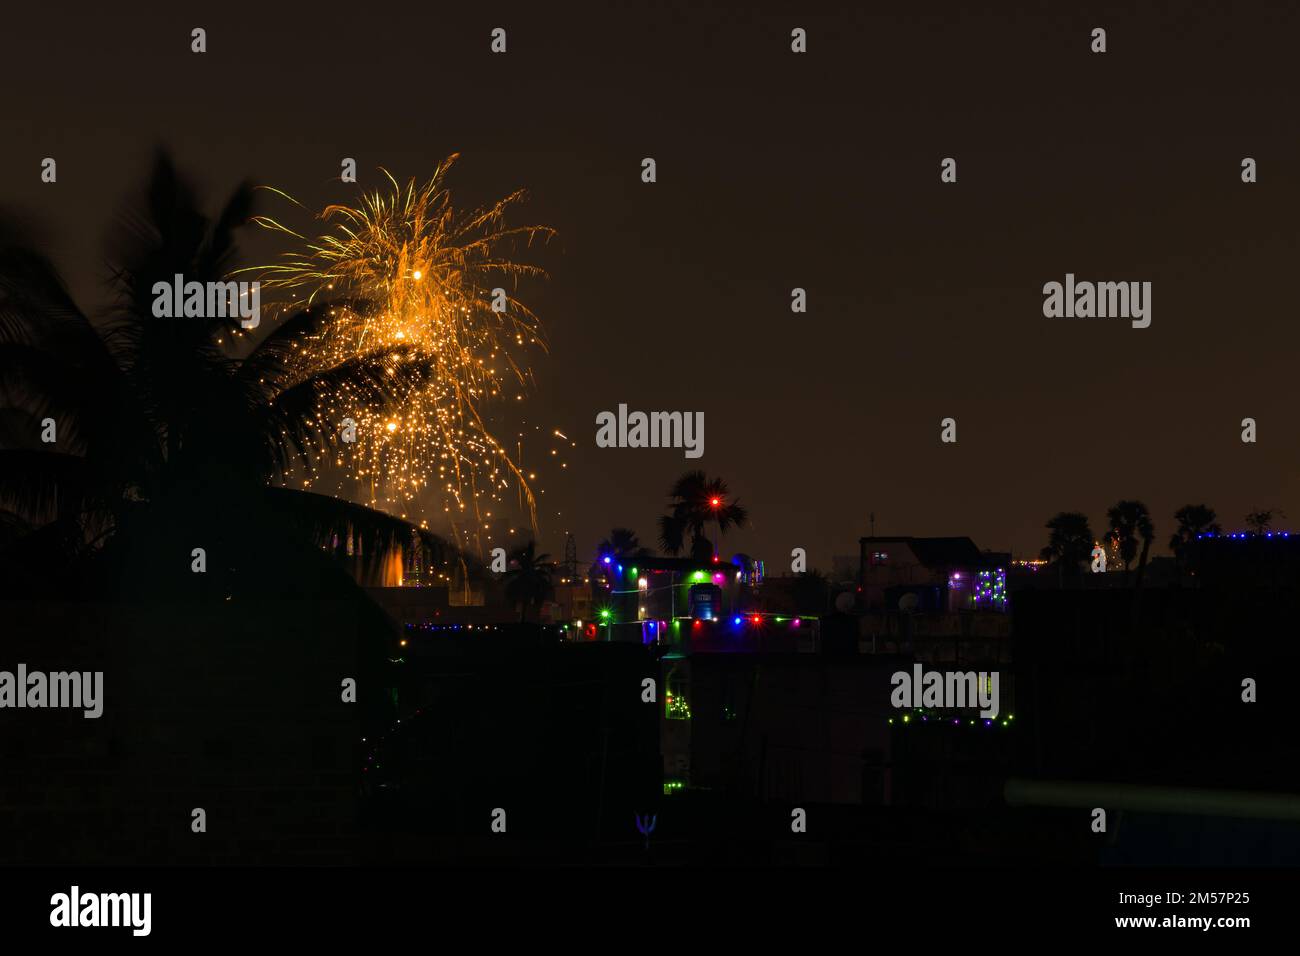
x,y
41,485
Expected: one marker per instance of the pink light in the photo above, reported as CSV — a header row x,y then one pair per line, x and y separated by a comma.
x,y
795,622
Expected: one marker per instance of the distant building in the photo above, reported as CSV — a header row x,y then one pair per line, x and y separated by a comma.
x,y
931,574
1270,560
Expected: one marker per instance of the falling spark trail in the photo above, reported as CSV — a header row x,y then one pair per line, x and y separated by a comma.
x,y
409,278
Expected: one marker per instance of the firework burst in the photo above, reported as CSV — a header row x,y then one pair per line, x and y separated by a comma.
x,y
406,277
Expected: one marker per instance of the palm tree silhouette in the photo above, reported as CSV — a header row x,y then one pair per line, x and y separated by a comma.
x,y
1193,521
623,546
1130,521
163,437
1069,544
695,502
528,580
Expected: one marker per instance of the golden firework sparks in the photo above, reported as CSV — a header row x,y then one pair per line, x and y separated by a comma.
x,y
410,278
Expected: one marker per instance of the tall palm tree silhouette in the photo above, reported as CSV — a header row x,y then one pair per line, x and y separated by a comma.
x,y
1069,543
1193,521
1130,522
528,580
165,439
695,502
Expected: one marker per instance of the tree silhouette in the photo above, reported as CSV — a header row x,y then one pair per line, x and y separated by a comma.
x,y
696,501
170,431
1130,522
1069,543
1193,521
1260,521
621,547
528,580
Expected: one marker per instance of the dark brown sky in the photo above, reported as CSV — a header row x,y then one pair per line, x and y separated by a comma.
x,y
777,171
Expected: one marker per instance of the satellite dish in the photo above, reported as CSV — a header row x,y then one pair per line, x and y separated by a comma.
x,y
844,602
907,602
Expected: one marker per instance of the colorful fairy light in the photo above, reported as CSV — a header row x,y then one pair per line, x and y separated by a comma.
x,y
983,722
991,589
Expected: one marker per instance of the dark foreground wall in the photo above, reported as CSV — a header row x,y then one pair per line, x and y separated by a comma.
x,y
238,710
234,710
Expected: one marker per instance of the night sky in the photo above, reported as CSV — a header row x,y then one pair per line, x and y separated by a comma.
x,y
776,171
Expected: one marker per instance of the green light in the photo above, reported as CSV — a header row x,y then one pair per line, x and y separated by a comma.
x,y
604,614
907,718
634,572
697,576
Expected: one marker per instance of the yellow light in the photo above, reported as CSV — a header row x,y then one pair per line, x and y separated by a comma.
x,y
391,426
417,275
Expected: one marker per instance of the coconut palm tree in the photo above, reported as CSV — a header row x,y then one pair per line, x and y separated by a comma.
x,y
622,546
1193,521
156,435
695,502
1069,543
1130,522
528,578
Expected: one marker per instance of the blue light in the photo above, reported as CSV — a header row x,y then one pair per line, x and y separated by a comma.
x,y
606,559
736,621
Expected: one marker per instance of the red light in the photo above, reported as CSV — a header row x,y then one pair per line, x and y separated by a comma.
x,y
697,625
715,501
756,619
